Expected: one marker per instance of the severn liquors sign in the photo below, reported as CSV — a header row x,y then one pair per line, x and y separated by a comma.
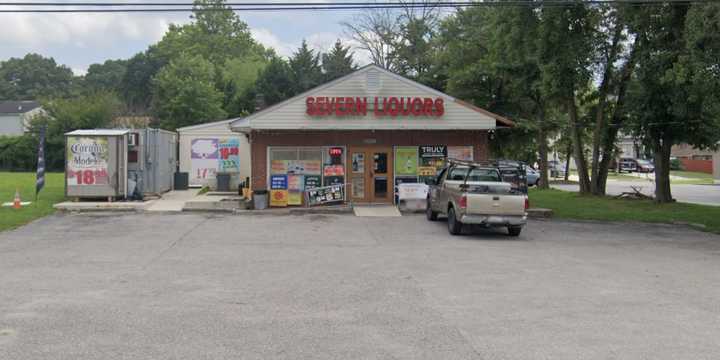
x,y
382,106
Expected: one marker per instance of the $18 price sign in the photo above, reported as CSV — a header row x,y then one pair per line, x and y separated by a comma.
x,y
88,177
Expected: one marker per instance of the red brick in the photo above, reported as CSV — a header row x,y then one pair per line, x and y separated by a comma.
x,y
260,140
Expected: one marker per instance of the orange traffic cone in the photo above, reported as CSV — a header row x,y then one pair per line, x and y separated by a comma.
x,y
16,202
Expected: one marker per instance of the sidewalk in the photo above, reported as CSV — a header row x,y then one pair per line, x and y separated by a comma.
x,y
173,201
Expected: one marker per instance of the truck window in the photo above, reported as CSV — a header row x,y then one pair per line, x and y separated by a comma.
x,y
477,174
441,177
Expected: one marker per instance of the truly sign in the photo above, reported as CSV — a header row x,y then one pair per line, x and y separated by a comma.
x,y
322,106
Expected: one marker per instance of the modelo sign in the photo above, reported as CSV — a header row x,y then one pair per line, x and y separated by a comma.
x,y
323,106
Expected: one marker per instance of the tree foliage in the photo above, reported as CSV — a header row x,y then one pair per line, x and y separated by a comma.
x,y
184,93
671,94
107,76
337,62
33,77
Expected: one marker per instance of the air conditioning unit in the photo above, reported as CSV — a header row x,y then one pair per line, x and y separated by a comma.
x,y
133,139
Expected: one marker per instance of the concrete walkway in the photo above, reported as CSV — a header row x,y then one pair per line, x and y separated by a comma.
x,y
376,211
173,201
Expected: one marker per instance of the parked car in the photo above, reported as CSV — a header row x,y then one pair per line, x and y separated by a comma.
x,y
533,176
475,193
644,166
557,169
627,165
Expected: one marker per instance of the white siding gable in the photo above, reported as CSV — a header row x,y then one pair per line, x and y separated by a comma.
x,y
370,82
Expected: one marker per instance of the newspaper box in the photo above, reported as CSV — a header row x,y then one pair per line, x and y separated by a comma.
x,y
412,196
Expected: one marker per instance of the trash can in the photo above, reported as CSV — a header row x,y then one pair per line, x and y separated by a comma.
x,y
181,181
260,199
223,181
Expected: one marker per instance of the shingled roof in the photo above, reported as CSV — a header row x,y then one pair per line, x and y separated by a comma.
x,y
17,107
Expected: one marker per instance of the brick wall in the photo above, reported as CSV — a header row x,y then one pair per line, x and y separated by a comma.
x,y
259,141
703,166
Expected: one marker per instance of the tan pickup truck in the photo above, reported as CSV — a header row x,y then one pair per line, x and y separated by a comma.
x,y
478,194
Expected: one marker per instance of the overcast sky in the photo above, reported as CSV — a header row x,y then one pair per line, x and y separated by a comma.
x,y
78,40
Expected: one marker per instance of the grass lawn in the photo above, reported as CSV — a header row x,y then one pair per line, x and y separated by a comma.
x,y
690,177
570,205
52,193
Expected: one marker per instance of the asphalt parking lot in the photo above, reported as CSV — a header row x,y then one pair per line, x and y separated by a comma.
x,y
198,286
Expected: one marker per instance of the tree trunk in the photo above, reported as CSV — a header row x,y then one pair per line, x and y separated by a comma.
x,y
596,186
567,161
661,152
543,154
611,131
578,147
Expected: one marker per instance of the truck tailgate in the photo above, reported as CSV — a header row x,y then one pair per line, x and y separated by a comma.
x,y
496,204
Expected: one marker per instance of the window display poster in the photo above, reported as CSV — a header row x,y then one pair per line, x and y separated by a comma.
x,y
295,186
295,197
333,180
295,182
312,181
406,160
358,163
278,167
229,151
278,182
333,170
279,198
427,171
204,158
303,167
464,153
325,195
433,151
87,161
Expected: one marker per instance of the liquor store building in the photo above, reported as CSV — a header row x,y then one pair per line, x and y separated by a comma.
x,y
369,130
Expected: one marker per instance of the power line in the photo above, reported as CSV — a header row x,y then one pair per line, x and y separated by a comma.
x,y
312,6
270,7
365,3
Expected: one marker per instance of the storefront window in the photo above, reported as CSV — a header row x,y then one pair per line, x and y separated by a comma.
x,y
293,170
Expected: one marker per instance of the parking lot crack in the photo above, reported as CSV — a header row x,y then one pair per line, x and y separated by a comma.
x,y
174,243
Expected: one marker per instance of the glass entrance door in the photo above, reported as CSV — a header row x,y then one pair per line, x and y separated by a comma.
x,y
357,175
381,177
370,174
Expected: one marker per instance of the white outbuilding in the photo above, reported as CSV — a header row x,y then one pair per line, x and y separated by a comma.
x,y
212,148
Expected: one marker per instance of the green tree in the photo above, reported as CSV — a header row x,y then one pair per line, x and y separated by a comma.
x,y
414,51
337,62
305,70
275,83
239,77
674,96
567,40
218,35
136,84
107,76
184,93
492,59
91,111
33,77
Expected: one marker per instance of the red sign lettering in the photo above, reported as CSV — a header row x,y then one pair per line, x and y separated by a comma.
x,y
323,106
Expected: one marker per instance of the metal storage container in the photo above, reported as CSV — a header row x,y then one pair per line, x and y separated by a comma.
x,y
96,163
153,160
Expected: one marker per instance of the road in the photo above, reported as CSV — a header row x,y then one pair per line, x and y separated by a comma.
x,y
696,194
194,286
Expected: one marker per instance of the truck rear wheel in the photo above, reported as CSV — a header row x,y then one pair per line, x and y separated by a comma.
x,y
454,226
430,214
514,230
